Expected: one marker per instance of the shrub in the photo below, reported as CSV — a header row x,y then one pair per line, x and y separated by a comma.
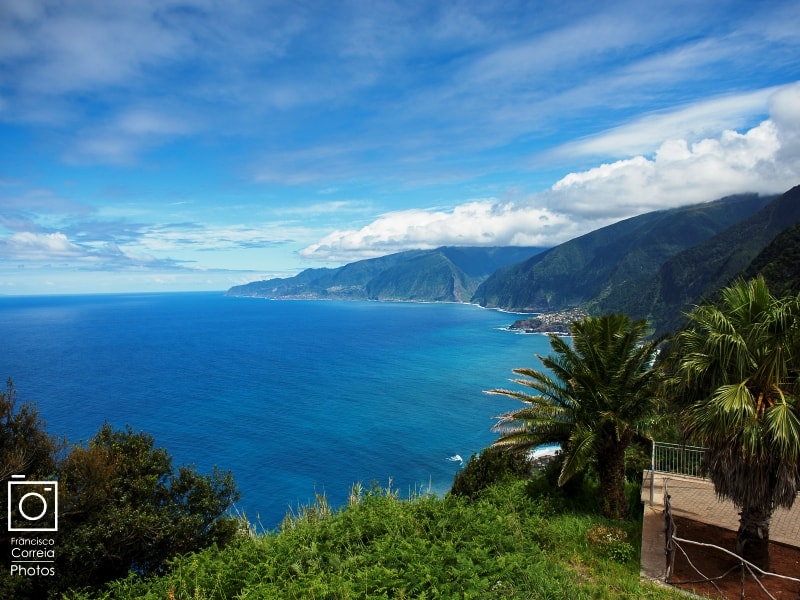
x,y
493,465
127,509
611,542
637,460
122,506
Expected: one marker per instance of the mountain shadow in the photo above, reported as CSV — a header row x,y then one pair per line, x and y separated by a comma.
x,y
597,270
779,263
698,273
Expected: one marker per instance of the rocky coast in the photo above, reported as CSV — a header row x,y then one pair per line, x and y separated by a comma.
x,y
555,322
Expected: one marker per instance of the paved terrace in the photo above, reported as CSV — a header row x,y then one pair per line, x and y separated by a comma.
x,y
694,498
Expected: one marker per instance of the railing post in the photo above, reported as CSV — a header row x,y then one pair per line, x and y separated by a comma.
x,y
652,472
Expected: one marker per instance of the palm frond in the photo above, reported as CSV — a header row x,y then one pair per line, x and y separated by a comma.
x,y
783,425
738,362
578,452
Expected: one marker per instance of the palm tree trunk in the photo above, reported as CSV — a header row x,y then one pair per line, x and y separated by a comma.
x,y
752,539
611,470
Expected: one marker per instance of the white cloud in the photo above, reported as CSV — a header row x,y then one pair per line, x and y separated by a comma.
x,y
700,119
26,245
44,249
76,46
479,223
176,237
432,79
680,173
764,159
785,114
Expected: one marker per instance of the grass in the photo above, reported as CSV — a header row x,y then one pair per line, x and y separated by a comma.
x,y
507,543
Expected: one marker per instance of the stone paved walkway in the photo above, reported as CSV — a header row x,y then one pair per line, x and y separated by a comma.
x,y
695,499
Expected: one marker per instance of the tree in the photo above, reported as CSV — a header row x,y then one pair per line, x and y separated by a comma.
x,y
600,397
122,505
126,509
25,446
25,449
735,369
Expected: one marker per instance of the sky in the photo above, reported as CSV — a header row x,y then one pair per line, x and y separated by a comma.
x,y
198,144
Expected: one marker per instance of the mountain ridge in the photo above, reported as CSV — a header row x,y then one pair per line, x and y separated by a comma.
x,y
653,266
585,269
444,274
696,274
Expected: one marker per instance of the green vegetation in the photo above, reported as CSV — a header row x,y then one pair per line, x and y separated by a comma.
x,y
654,266
25,446
127,509
505,543
508,536
736,369
600,397
491,466
696,275
779,263
122,506
607,270
658,265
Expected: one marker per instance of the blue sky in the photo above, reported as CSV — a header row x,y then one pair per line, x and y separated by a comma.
x,y
195,145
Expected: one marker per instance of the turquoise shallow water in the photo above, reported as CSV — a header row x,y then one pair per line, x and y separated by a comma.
x,y
295,397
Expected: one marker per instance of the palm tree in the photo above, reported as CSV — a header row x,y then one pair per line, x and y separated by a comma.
x,y
601,395
736,371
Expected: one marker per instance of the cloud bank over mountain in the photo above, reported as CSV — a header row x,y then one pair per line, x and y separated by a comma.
x,y
763,159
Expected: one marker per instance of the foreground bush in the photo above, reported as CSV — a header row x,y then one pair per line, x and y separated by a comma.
x,y
123,507
503,545
491,466
126,508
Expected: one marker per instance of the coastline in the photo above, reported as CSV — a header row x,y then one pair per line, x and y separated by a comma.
x,y
543,323
546,323
392,300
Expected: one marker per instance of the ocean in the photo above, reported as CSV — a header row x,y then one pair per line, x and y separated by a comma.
x,y
294,397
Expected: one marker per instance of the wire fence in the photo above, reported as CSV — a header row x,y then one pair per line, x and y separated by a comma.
x,y
747,571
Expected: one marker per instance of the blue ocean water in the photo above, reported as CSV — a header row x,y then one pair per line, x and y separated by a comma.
x,y
295,397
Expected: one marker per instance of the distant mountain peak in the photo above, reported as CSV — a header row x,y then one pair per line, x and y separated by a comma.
x,y
653,266
445,274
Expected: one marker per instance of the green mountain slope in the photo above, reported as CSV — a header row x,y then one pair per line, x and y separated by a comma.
x,y
653,266
446,274
429,277
586,270
779,263
699,272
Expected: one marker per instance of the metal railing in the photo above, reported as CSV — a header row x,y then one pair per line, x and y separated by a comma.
x,y
677,459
